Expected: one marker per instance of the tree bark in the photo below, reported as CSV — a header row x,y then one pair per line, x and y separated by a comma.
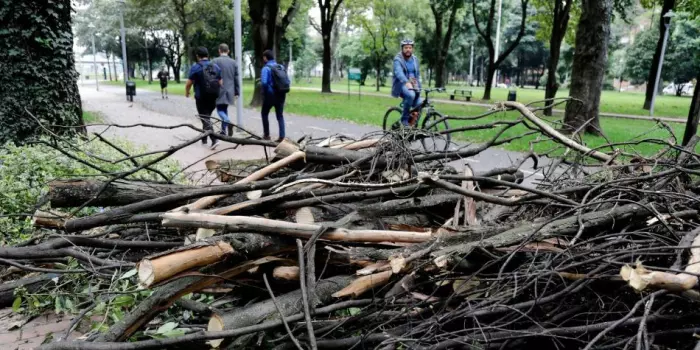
x,y
326,78
73,193
289,303
560,24
329,9
588,73
668,5
32,284
691,126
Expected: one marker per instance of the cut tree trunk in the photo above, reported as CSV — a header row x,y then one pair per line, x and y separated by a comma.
x,y
590,60
156,269
290,303
667,5
73,193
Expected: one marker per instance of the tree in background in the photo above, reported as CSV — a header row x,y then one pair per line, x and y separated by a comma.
x,y
444,13
379,31
666,6
553,17
487,35
36,57
269,20
588,72
681,62
329,10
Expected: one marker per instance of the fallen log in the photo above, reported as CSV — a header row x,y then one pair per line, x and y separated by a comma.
x,y
253,224
31,283
155,269
73,193
290,303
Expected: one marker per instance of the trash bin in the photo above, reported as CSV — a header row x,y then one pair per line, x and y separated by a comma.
x,y
130,90
512,95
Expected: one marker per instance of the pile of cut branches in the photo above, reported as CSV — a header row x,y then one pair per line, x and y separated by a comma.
x,y
370,243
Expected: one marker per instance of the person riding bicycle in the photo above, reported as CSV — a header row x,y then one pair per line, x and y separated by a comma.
x,y
406,84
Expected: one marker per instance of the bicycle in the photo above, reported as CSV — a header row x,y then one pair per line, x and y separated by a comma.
x,y
434,123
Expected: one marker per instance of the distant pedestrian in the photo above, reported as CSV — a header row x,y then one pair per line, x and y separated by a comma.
x,y
206,78
230,89
163,76
275,85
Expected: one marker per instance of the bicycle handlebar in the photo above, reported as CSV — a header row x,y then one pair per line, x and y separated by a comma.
x,y
439,89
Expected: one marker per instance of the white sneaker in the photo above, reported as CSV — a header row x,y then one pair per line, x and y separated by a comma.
x,y
214,145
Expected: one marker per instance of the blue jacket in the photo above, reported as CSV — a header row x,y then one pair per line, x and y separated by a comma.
x,y
401,74
266,77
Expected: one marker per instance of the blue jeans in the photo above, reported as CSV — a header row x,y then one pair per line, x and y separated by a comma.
x,y
222,110
411,99
276,101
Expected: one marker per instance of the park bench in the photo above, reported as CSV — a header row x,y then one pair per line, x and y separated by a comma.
x,y
467,94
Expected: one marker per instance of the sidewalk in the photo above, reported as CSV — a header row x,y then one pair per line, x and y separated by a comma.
x,y
149,107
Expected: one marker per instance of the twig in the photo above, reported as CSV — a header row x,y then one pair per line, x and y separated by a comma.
x,y
274,301
305,296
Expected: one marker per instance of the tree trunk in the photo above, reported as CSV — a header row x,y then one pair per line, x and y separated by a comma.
x,y
691,127
560,24
491,70
114,64
590,59
653,69
178,61
109,68
41,65
554,51
378,69
326,80
148,62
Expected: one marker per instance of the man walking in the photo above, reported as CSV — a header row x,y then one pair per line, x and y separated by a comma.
x,y
230,88
275,86
206,78
163,76
407,81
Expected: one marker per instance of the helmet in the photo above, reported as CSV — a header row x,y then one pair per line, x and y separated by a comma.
x,y
407,42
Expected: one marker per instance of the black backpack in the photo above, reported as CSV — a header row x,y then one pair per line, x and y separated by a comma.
x,y
210,80
280,80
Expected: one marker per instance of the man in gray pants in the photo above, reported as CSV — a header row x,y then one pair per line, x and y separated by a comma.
x,y
230,89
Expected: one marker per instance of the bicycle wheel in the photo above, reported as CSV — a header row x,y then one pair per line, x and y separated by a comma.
x,y
392,119
435,140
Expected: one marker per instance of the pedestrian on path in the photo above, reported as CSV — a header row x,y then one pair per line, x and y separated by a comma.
x,y
163,76
275,86
206,78
230,88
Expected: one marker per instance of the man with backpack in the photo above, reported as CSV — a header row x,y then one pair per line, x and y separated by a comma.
x,y
206,78
275,85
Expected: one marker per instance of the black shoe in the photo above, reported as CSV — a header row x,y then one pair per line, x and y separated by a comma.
x,y
214,144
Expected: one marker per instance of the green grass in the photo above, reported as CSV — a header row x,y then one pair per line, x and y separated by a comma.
x,y
370,110
92,117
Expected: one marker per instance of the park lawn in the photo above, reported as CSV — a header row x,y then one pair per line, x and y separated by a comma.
x,y
370,110
611,101
92,117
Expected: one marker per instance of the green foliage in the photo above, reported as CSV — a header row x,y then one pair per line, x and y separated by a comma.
x,y
26,170
36,58
681,61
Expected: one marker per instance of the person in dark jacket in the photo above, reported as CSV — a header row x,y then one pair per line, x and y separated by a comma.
x,y
406,83
271,97
206,103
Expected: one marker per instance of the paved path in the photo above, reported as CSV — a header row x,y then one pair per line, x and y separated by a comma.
x,y
559,111
149,107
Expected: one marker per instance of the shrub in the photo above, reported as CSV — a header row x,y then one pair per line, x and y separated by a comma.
x,y
25,172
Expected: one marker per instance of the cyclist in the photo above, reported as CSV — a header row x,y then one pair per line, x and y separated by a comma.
x,y
406,82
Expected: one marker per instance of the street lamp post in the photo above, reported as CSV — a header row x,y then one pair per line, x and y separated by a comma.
x,y
94,57
239,58
667,24
123,35
498,41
